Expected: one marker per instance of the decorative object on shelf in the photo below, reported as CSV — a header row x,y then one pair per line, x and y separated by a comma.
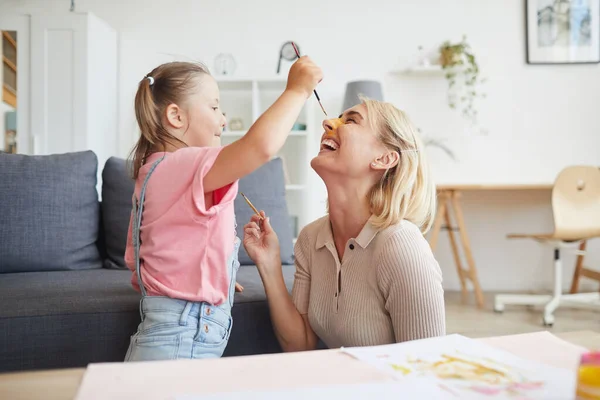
x,y
299,126
287,52
10,139
225,64
368,88
457,59
236,124
563,32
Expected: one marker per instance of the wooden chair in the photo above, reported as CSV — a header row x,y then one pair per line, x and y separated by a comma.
x,y
581,270
576,212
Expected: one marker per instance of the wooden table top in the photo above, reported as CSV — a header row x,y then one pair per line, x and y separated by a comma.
x,y
500,186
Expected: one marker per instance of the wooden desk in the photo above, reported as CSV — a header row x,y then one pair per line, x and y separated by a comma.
x,y
271,370
448,199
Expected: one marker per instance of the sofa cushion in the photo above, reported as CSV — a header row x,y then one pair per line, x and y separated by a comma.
x,y
265,188
50,212
70,319
117,190
96,291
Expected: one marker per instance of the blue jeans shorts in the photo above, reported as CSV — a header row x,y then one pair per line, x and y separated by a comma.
x,y
172,329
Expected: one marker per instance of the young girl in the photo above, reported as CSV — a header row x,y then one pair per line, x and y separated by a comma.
x,y
182,247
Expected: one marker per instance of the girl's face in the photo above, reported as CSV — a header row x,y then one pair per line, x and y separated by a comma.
x,y
349,146
202,118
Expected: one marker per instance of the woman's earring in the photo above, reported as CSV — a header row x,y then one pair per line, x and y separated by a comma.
x,y
373,164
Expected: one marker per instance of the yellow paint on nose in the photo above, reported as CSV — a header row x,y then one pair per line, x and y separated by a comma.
x,y
335,123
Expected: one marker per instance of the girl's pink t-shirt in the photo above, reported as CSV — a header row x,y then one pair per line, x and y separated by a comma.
x,y
184,245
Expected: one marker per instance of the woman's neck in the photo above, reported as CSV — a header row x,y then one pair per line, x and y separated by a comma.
x,y
349,211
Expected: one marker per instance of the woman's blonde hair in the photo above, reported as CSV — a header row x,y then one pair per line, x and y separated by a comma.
x,y
407,190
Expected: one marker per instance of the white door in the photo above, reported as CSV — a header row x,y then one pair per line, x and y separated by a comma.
x,y
21,25
58,82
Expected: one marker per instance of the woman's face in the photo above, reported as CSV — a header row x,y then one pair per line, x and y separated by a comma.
x,y
349,146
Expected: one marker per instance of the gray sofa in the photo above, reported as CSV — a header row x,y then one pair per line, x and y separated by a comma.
x,y
65,292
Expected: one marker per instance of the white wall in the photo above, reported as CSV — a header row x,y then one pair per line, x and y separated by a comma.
x,y
532,112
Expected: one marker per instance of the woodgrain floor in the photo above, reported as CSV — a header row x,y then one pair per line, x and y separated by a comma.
x,y
466,319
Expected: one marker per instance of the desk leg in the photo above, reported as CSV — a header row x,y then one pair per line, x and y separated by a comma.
x,y
439,217
462,229
459,268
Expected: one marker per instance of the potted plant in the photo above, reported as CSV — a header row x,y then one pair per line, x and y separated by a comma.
x,y
458,61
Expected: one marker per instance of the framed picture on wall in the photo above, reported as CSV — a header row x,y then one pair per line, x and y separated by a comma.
x,y
563,31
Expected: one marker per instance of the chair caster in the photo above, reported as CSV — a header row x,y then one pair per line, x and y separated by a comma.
x,y
499,308
548,320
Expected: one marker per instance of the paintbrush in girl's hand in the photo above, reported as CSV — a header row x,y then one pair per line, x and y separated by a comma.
x,y
315,91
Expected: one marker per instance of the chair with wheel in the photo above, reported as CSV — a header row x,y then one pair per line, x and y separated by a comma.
x,y
576,213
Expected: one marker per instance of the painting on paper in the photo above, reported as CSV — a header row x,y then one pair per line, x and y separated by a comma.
x,y
458,367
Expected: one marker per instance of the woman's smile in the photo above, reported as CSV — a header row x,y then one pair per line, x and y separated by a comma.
x,y
329,144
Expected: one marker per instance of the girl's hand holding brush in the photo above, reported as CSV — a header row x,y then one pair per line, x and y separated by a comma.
x,y
303,77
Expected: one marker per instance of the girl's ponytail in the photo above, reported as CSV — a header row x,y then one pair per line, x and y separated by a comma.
x,y
147,115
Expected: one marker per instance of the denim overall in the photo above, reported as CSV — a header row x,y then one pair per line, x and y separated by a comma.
x,y
173,328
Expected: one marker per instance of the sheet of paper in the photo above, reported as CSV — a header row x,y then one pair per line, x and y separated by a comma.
x,y
455,366
536,345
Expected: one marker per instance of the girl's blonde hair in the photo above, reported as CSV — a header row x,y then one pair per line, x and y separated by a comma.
x,y
407,190
166,84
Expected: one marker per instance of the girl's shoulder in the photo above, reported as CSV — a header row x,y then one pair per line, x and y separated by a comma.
x,y
183,157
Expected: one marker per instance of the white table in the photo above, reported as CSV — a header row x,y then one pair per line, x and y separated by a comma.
x,y
274,371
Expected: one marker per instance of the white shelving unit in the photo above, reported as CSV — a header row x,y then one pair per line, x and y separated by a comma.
x,y
248,98
419,70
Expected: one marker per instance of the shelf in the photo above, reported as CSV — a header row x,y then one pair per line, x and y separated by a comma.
x,y
247,97
420,70
295,187
239,83
9,96
297,133
259,79
424,70
272,84
10,39
226,83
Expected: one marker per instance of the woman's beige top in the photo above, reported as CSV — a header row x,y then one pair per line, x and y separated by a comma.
x,y
387,289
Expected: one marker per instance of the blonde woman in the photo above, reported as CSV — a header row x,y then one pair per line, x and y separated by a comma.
x,y
365,274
